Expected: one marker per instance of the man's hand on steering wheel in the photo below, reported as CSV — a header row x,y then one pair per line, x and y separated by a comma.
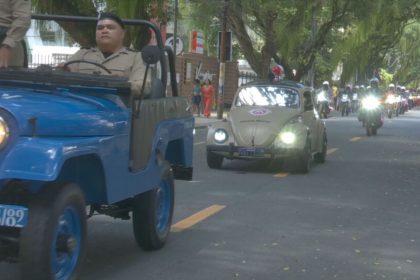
x,y
66,64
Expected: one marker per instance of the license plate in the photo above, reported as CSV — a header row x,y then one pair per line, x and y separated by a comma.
x,y
251,152
13,216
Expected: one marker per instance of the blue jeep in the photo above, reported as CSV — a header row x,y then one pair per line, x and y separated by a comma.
x,y
73,145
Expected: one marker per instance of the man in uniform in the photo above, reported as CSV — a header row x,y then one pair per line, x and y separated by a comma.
x,y
15,20
111,53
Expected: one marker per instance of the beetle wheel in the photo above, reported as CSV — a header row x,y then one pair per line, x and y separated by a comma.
x,y
214,161
303,161
321,156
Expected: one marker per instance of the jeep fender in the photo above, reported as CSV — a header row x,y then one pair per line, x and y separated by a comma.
x,y
41,159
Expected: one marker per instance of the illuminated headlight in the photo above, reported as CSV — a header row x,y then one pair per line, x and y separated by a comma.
x,y
321,97
4,133
220,136
288,137
390,99
370,103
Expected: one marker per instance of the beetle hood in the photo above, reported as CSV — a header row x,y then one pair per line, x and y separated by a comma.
x,y
62,114
259,126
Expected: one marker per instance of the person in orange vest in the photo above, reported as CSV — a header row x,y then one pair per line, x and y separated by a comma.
x,y
207,92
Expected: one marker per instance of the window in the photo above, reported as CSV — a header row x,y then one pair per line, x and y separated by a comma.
x,y
268,96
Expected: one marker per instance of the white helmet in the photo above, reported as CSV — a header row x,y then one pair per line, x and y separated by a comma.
x,y
391,85
326,83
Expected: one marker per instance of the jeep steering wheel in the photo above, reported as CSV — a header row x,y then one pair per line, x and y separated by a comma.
x,y
88,62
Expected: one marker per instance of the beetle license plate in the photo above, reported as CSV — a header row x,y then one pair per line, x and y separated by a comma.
x,y
13,216
251,152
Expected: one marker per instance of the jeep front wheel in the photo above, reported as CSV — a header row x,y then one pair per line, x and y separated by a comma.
x,y
52,245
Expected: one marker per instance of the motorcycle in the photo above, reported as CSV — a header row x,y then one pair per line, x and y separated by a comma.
x,y
404,104
391,106
372,114
322,104
355,102
345,104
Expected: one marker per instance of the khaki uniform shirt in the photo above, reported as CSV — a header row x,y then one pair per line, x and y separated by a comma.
x,y
123,63
15,16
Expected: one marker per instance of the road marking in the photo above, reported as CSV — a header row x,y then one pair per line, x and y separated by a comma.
x,y
331,151
281,175
199,143
354,139
196,218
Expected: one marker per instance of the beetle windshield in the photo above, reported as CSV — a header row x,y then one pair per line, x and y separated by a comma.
x,y
268,96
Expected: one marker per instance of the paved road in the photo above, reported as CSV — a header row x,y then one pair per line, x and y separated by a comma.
x,y
355,217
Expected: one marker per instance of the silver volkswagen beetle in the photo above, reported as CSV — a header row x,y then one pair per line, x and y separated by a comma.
x,y
276,121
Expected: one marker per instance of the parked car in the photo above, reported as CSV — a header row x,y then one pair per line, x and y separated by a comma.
x,y
71,142
274,121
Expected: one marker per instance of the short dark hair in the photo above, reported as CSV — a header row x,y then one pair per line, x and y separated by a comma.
x,y
113,17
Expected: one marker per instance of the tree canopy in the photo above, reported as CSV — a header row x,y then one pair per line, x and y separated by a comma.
x,y
359,34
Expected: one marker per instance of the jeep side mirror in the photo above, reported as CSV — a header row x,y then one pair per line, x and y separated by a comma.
x,y
150,54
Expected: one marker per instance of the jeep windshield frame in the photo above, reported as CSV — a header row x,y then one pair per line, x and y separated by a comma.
x,y
135,22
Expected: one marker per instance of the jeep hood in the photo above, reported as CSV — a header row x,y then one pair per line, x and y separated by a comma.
x,y
62,114
259,126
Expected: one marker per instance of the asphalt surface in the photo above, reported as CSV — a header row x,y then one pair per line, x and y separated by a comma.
x,y
355,217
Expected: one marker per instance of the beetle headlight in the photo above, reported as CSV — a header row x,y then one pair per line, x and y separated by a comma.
x,y
4,133
288,137
220,135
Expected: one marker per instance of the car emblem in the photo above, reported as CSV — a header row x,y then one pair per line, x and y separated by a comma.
x,y
259,112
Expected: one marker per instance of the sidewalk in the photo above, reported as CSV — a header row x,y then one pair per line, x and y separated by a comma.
x,y
202,122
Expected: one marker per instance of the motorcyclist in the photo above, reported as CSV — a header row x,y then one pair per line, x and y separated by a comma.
x,y
374,88
391,101
404,99
323,99
373,91
355,99
327,89
345,98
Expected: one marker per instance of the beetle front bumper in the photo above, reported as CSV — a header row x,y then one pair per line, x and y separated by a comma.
x,y
235,152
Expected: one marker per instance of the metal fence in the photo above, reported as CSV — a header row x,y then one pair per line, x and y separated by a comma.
x,y
36,60
246,77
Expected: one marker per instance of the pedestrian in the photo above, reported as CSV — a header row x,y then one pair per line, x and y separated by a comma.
x,y
111,53
207,91
15,20
196,97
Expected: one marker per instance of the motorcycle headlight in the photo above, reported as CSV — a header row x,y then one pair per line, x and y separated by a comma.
x,y
390,99
370,103
288,137
220,135
321,97
4,133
